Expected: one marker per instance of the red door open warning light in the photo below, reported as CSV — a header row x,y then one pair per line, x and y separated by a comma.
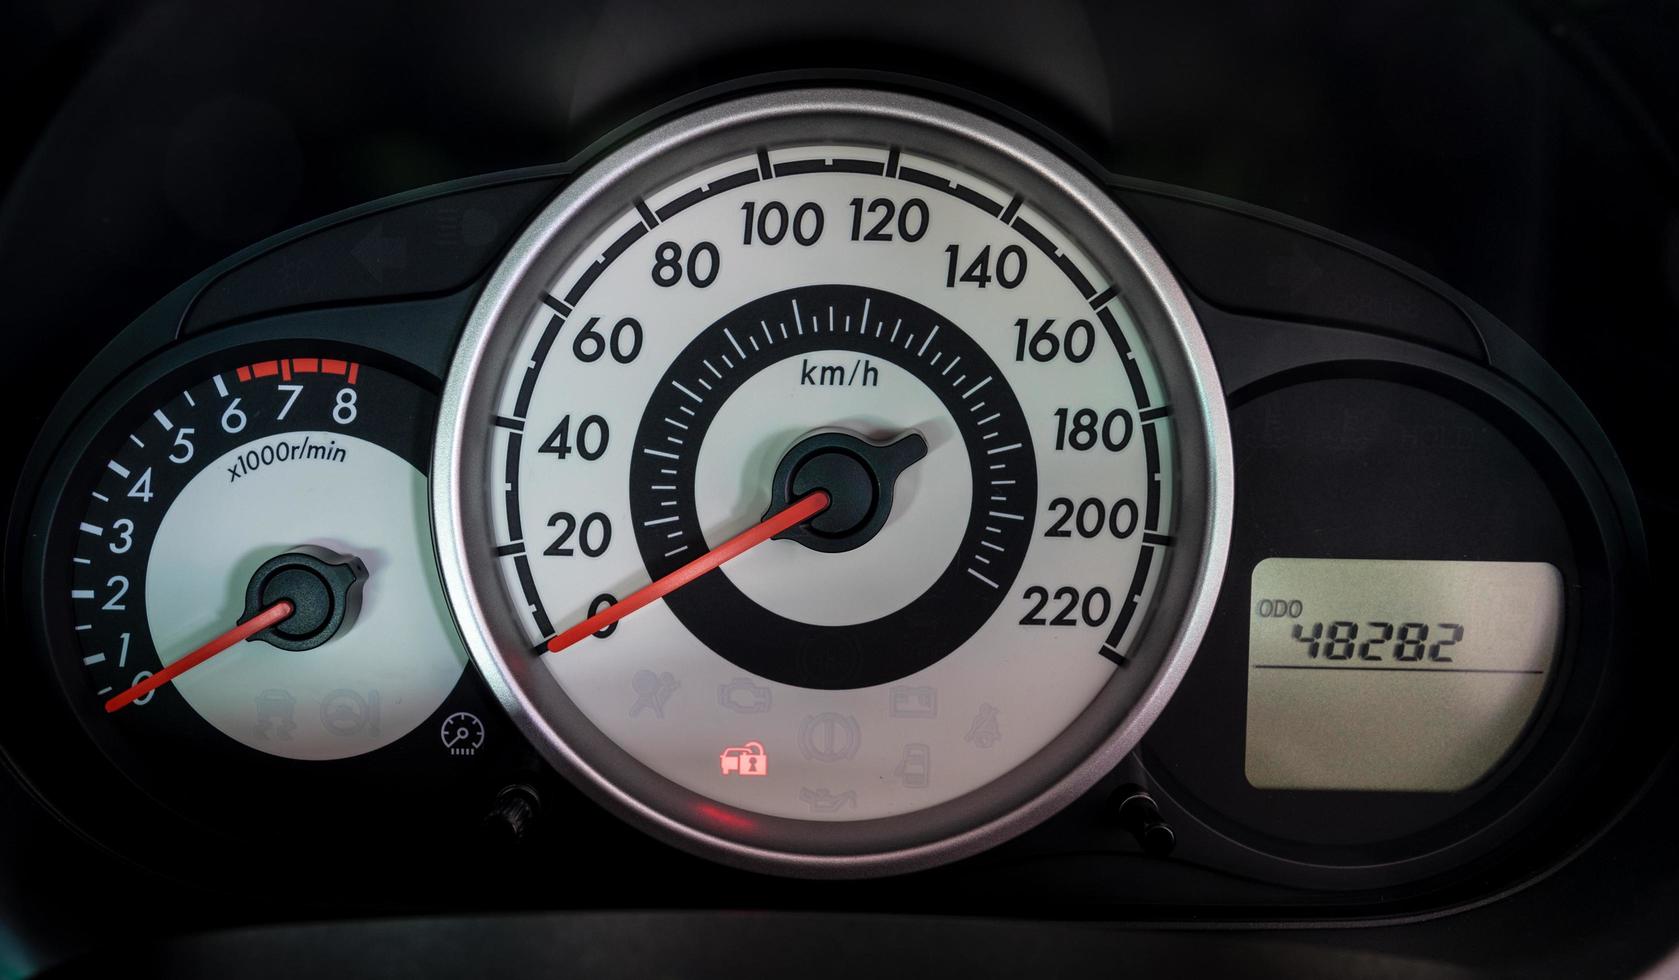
x,y
745,760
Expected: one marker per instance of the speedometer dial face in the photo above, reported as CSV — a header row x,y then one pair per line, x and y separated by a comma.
x,y
878,445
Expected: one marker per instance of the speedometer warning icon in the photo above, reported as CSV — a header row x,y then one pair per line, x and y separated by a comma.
x,y
463,733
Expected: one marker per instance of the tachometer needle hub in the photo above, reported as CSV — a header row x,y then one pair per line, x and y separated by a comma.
x,y
793,514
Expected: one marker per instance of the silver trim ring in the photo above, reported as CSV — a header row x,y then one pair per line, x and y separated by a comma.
x,y
1014,802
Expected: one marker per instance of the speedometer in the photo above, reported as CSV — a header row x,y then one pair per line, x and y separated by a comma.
x,y
834,482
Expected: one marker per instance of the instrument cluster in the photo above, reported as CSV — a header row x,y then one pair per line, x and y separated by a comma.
x,y
832,483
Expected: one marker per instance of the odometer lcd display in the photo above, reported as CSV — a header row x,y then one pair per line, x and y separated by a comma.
x,y
1394,675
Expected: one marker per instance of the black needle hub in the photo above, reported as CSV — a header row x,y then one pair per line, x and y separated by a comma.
x,y
859,477
323,586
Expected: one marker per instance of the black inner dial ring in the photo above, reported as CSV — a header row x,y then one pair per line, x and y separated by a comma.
x,y
980,403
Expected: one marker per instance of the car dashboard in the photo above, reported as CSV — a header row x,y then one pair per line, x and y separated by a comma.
x,y
794,489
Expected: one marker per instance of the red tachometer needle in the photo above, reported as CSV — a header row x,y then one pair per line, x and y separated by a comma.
x,y
800,510
276,613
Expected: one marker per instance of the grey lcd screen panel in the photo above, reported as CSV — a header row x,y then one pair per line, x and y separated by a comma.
x,y
1394,675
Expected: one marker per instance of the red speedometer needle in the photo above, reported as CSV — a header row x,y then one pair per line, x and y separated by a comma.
x,y
799,511
277,613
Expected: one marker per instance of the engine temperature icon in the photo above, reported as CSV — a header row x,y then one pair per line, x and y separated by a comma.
x,y
745,760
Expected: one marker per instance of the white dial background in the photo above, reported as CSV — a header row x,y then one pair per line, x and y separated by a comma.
x,y
831,754
359,691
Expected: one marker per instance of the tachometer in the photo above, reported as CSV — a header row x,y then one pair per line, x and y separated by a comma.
x,y
833,481
239,580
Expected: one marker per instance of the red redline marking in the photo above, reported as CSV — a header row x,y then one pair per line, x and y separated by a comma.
x,y
300,365
276,613
799,511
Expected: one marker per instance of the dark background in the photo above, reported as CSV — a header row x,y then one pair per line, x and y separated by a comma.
x,y
1524,152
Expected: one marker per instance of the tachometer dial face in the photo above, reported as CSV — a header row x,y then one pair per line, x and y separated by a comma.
x,y
285,487
935,403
